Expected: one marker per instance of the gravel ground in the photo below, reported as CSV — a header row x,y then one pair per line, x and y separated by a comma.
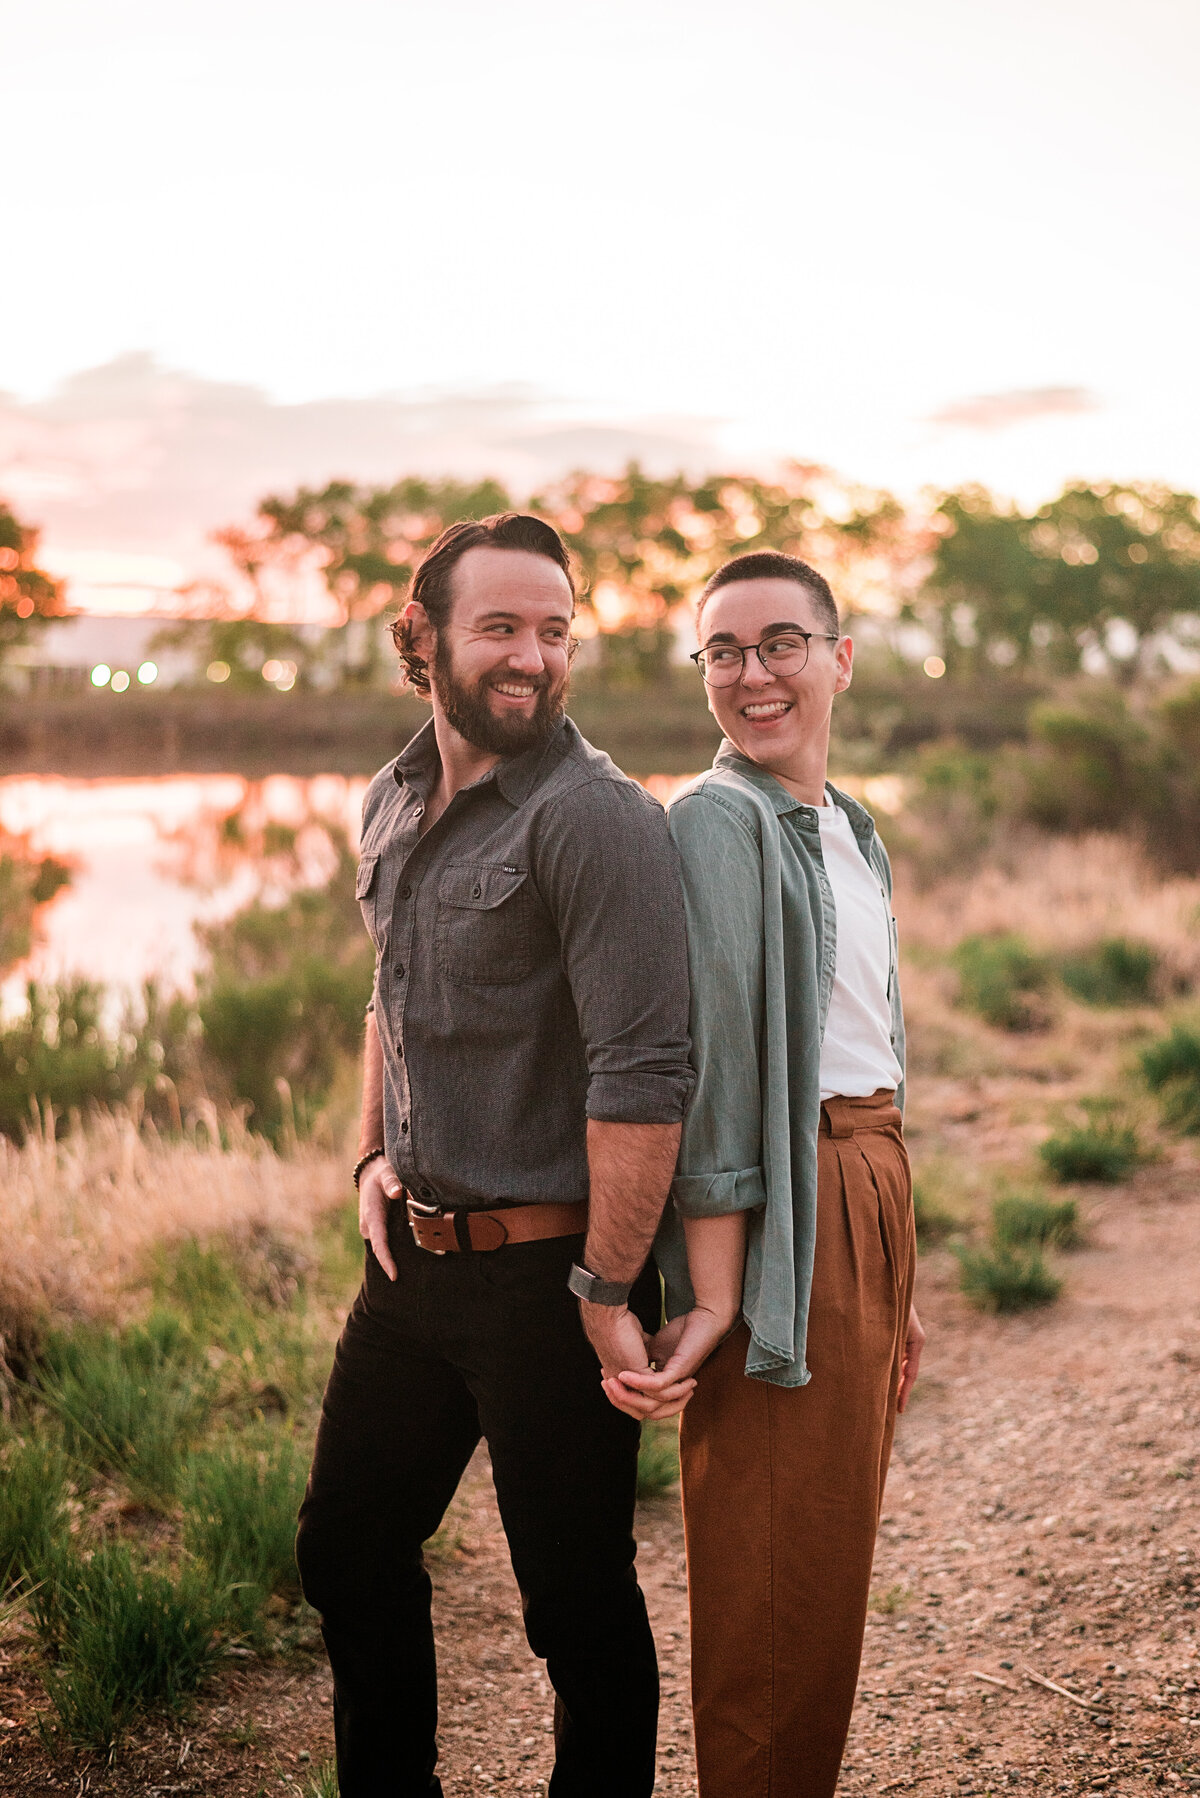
x,y
1040,1520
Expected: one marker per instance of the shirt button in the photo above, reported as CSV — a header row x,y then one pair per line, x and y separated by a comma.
x,y
400,970
404,1128
476,892
406,892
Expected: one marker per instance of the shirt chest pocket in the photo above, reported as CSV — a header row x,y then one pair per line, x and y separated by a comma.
x,y
484,934
365,884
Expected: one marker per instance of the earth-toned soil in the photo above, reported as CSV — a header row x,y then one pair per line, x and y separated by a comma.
x,y
1041,1520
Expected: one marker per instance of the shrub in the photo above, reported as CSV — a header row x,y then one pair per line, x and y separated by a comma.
x,y
323,1781
1115,971
121,1639
658,1457
1171,1067
1003,980
934,1222
1005,1280
239,1520
129,1404
1019,1218
1102,1150
33,1513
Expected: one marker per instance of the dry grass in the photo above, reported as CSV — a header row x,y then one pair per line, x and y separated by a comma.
x,y
79,1217
1062,894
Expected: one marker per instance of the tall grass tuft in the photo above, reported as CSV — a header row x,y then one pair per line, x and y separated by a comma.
x,y
658,1457
1020,1218
33,1508
1003,980
1115,971
129,1404
1171,1067
323,1781
1006,1280
1102,1150
239,1520
121,1639
934,1221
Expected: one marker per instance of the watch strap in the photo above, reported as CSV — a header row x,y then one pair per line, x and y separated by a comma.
x,y
590,1287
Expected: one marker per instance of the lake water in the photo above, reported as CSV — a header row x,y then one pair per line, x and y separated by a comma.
x,y
151,858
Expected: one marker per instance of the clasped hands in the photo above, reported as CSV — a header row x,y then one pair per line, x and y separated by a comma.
x,y
626,1352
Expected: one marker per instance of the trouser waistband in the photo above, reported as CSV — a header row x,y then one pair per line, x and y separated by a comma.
x,y
876,1111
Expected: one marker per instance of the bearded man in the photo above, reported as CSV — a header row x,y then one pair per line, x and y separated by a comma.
x,y
526,1073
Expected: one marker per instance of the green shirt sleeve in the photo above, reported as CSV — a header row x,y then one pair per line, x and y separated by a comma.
x,y
720,1158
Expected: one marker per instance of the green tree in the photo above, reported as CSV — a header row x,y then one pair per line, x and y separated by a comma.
x,y
28,596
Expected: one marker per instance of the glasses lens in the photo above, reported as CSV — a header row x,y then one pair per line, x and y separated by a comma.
x,y
721,666
784,655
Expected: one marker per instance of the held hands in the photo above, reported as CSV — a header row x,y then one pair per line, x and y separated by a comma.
x,y
679,1349
620,1342
377,1188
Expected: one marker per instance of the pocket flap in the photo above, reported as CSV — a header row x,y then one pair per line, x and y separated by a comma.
x,y
364,880
480,888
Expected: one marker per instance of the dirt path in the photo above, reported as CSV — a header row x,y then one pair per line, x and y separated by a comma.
x,y
1041,1517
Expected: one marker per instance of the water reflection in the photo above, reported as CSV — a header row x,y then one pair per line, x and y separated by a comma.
x,y
150,858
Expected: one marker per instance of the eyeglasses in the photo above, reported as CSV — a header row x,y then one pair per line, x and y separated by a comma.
x,y
723,664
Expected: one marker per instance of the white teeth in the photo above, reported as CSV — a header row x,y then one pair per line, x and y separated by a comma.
x,y
775,710
516,692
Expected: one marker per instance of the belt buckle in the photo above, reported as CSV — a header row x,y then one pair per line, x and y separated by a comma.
x,y
416,1210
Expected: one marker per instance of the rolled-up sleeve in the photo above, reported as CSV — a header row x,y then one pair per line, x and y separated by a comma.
x,y
607,868
720,1159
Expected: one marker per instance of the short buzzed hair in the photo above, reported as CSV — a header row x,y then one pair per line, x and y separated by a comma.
x,y
773,565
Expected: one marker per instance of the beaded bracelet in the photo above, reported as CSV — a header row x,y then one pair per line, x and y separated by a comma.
x,y
365,1161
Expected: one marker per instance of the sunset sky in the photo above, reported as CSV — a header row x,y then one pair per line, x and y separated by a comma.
x,y
920,243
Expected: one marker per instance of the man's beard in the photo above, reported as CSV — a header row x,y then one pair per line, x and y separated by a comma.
x,y
466,706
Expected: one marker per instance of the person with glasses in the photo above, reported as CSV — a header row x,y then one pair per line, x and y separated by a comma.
x,y
788,1252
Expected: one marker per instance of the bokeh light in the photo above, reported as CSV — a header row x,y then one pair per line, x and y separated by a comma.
x,y
218,671
101,674
148,673
934,667
120,681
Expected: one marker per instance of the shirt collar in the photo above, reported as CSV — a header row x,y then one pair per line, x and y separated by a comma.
x,y
729,756
516,776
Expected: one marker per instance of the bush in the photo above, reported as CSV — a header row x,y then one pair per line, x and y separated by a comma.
x,y
1019,1219
121,1639
129,1404
934,1222
1171,1067
1003,980
1102,1150
239,1520
658,1457
1115,971
33,1509
1006,1280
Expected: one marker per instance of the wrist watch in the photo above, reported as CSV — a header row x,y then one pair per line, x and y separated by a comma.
x,y
589,1286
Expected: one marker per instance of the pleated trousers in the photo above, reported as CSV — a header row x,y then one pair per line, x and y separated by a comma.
x,y
782,1486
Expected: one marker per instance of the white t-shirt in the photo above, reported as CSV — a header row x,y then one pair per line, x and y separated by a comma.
x,y
857,1057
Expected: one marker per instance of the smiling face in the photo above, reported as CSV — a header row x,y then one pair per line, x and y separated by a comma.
x,y
779,721
499,665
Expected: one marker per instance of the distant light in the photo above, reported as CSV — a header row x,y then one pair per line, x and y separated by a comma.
x,y
120,681
272,670
101,674
147,673
8,558
25,606
218,671
934,667
285,680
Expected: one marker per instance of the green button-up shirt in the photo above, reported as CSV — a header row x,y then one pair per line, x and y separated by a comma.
x,y
762,949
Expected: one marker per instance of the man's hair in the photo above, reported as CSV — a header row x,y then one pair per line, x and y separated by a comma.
x,y
433,583
773,565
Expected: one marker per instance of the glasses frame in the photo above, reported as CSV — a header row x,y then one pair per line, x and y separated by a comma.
x,y
744,649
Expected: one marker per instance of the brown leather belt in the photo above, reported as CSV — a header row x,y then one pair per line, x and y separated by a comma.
x,y
449,1232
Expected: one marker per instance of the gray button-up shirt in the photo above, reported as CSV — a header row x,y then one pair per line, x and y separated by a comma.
x,y
531,969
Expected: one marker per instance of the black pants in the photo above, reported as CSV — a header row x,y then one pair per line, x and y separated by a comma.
x,y
483,1343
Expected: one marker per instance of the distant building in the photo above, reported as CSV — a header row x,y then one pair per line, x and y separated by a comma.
x,y
63,656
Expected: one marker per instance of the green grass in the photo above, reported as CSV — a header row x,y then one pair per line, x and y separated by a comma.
x,y
239,1520
934,1221
658,1457
1003,980
1101,1150
1114,971
1020,1218
1006,1280
122,1638
33,1508
322,1781
1171,1068
129,1404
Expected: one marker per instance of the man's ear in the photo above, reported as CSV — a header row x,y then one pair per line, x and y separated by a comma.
x,y
844,657
421,632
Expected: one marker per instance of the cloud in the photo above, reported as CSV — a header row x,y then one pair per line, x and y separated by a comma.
x,y
146,461
997,411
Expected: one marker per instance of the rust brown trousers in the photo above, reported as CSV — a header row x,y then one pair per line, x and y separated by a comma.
x,y
782,1486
